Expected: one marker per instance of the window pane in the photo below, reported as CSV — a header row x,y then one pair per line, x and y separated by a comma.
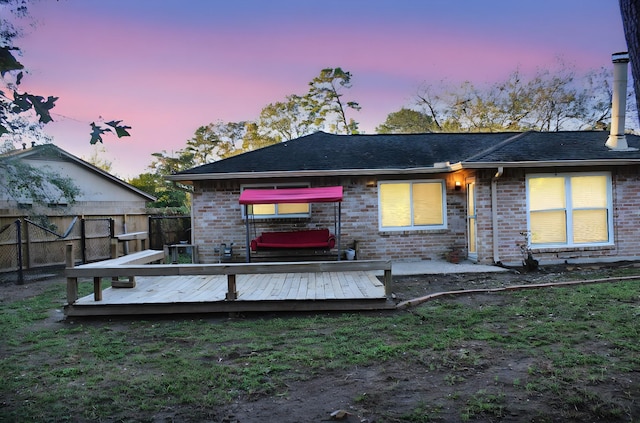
x,y
548,227
471,201
427,204
264,209
472,235
589,191
293,208
394,205
546,193
590,226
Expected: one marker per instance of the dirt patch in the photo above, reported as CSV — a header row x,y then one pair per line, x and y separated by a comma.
x,y
33,283
491,381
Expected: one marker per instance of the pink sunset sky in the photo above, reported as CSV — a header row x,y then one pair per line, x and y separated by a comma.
x,y
166,67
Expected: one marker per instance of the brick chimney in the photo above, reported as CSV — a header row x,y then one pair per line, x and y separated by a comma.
x,y
617,141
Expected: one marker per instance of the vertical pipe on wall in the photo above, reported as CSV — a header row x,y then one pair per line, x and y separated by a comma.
x,y
494,214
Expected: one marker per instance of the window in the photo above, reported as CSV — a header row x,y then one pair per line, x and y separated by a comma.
x,y
273,211
570,209
412,205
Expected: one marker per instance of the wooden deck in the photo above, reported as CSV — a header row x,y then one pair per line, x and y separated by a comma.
x,y
318,291
230,287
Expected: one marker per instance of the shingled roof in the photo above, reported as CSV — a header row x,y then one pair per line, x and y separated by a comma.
x,y
329,154
552,148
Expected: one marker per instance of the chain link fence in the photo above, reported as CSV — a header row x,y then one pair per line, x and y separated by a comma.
x,y
43,246
26,244
9,246
96,239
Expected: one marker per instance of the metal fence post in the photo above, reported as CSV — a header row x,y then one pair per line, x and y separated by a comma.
x,y
19,242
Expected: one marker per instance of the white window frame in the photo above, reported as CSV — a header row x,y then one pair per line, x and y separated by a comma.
x,y
275,216
413,227
569,210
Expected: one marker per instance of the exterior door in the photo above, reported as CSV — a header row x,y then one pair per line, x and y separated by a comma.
x,y
472,239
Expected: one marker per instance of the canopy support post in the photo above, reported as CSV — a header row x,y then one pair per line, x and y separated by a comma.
x,y
339,226
248,242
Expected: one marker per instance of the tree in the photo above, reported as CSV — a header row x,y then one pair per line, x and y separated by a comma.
x,y
280,121
253,139
23,116
407,121
167,196
98,160
289,119
14,106
551,100
215,141
19,108
324,101
165,164
630,11
555,100
24,183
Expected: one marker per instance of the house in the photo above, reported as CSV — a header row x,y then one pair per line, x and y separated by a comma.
x,y
104,206
100,193
563,196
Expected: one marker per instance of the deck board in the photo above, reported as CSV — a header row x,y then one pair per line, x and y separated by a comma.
x,y
314,293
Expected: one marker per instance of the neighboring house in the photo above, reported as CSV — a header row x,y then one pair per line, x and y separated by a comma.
x,y
100,192
565,196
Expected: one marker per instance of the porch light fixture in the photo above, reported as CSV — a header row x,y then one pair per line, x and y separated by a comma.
x,y
457,186
371,183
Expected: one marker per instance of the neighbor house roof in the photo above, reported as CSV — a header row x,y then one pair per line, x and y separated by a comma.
x,y
323,154
51,151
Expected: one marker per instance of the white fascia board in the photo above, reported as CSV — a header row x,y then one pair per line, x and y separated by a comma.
x,y
307,173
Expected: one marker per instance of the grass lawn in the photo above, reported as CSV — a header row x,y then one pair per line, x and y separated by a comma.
x,y
545,355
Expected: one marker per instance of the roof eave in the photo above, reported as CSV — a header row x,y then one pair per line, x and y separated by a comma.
x,y
307,173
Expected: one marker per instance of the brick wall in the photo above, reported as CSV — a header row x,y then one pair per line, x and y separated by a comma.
x,y
511,215
217,219
512,220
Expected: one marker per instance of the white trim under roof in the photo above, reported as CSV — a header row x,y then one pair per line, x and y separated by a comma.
x,y
309,173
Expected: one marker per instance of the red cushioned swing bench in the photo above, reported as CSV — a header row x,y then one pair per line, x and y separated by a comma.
x,y
299,239
313,238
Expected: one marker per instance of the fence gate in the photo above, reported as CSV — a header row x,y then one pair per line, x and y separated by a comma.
x,y
95,239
